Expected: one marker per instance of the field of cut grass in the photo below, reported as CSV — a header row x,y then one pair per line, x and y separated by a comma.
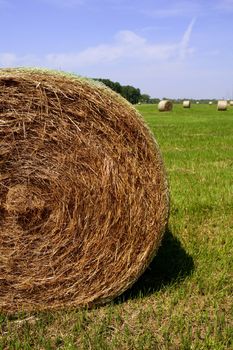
x,y
184,299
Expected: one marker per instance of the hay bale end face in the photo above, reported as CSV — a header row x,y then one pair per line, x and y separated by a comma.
x,y
222,105
83,193
186,104
165,106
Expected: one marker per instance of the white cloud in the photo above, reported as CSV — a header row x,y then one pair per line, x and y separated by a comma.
x,y
127,50
184,45
91,56
126,46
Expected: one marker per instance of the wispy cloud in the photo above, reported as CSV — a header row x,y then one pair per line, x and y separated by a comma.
x,y
127,46
184,45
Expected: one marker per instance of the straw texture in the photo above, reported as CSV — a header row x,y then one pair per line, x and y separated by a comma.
x,y
83,193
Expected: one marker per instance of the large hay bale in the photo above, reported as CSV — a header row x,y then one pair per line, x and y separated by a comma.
x,y
165,106
186,104
222,105
83,194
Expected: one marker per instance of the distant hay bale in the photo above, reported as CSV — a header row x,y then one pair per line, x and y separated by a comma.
x,y
222,105
197,102
210,103
231,103
165,106
186,104
83,198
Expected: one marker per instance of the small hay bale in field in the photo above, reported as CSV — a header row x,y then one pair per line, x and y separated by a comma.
x,y
186,104
222,105
83,193
197,102
210,103
231,103
165,106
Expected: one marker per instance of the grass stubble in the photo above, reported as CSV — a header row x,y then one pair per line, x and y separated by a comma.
x,y
183,301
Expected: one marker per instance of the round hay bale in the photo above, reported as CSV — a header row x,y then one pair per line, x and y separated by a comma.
x,y
222,105
231,103
186,104
165,106
210,103
83,193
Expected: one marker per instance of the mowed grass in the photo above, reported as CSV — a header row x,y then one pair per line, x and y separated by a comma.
x,y
184,299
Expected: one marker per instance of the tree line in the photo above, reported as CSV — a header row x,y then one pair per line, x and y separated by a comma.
x,y
134,95
130,93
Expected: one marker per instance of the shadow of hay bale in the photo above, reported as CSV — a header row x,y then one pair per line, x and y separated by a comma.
x,y
172,264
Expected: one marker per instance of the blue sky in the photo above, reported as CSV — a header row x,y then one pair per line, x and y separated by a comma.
x,y
166,48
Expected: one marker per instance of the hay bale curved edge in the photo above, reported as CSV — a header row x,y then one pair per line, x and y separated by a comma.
x,y
165,106
222,105
186,104
84,196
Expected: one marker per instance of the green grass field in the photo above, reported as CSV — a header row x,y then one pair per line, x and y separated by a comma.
x,y
183,301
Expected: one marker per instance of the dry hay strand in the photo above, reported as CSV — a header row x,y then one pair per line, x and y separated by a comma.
x,y
222,105
186,104
165,106
83,193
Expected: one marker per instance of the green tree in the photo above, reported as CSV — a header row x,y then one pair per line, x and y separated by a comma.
x,y
131,93
145,98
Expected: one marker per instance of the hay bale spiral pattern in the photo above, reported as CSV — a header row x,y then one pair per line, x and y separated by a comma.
x,y
83,193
